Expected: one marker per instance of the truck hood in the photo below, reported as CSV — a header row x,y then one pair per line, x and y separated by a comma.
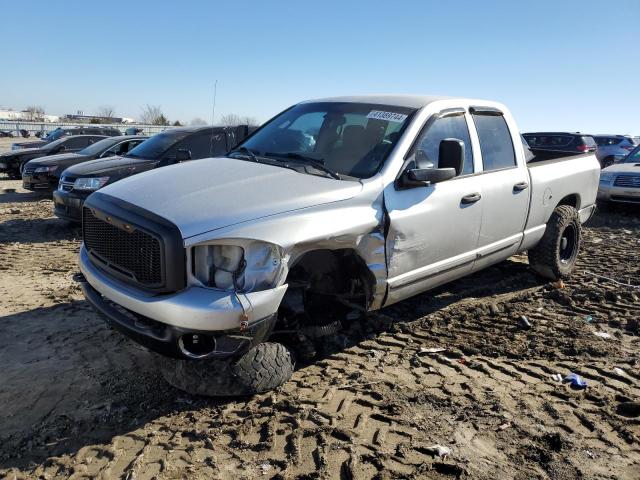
x,y
110,166
204,195
633,167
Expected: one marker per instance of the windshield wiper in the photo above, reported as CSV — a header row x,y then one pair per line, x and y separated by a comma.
x,y
314,162
252,156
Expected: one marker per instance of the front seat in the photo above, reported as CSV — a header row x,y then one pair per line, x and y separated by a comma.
x,y
351,150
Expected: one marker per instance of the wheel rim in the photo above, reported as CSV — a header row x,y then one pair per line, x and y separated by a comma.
x,y
568,244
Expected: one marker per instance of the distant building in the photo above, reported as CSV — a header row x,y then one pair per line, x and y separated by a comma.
x,y
14,115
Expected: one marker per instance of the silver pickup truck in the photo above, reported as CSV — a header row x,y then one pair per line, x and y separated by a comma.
x,y
230,267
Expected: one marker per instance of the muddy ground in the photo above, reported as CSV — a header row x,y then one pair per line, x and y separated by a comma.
x,y
77,400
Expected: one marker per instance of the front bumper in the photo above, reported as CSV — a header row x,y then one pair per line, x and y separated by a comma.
x,y
68,205
39,181
611,193
206,311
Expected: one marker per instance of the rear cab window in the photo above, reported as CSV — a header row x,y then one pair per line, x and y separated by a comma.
x,y
496,144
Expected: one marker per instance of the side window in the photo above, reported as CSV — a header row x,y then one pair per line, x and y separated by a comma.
x,y
446,127
76,142
219,145
201,145
495,142
128,146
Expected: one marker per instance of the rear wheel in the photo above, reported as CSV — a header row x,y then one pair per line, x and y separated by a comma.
x,y
556,254
264,367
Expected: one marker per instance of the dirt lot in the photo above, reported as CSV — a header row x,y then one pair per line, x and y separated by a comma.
x,y
80,401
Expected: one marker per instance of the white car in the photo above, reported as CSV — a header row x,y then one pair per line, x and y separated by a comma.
x,y
620,182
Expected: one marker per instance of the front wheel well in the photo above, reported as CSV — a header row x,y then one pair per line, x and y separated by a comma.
x,y
327,284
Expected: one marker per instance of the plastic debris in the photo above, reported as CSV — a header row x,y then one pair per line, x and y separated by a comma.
x,y
576,380
432,350
504,426
588,318
524,322
439,450
557,377
602,334
620,372
559,284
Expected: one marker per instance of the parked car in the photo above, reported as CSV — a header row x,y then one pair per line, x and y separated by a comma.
x,y
566,143
6,134
335,205
613,148
620,182
166,148
59,133
12,162
44,173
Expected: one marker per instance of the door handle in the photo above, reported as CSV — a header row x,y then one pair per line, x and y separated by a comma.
x,y
518,187
471,198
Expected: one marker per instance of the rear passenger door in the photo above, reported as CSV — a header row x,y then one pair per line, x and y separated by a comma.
x,y
505,188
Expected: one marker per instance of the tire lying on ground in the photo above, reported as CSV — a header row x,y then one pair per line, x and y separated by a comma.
x,y
555,255
264,367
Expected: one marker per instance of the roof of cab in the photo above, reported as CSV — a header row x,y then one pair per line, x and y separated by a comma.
x,y
409,101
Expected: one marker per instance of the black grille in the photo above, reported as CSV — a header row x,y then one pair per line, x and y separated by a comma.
x,y
632,181
135,254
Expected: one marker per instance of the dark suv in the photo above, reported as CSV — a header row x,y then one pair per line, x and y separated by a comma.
x,y
59,133
578,143
166,148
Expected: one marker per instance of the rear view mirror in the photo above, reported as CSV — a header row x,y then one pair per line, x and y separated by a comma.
x,y
183,155
451,154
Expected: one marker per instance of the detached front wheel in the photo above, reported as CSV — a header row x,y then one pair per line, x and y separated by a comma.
x,y
557,252
264,367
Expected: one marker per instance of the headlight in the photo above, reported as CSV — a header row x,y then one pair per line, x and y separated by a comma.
x,y
46,169
91,183
246,266
605,177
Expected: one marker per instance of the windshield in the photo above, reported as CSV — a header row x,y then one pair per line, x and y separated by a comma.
x,y
633,157
157,145
351,139
99,147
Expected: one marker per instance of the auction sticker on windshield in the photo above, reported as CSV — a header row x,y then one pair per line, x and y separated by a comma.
x,y
388,116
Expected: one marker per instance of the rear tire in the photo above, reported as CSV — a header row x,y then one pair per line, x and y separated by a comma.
x,y
264,367
557,252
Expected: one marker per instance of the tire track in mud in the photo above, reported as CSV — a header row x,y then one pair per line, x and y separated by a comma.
x,y
373,407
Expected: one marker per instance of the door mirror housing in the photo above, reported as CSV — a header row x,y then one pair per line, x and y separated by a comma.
x,y
183,155
61,148
423,177
451,154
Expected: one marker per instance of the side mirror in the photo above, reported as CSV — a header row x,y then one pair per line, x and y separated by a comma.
x,y
108,153
61,148
451,154
183,155
423,177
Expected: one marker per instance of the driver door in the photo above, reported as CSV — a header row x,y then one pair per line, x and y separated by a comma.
x,y
433,229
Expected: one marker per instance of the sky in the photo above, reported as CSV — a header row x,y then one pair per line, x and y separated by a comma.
x,y
558,65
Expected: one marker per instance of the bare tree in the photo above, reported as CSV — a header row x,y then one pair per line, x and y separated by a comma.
x,y
35,113
106,111
152,114
232,120
198,121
